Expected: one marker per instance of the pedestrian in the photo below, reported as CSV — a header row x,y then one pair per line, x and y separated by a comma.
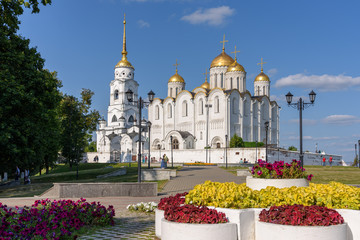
x,y
245,161
241,160
324,160
162,162
17,173
27,177
166,160
330,161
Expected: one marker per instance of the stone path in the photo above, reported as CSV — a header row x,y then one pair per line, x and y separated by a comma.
x,y
133,225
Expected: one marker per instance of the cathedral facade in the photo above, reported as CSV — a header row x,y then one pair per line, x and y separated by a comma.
x,y
216,110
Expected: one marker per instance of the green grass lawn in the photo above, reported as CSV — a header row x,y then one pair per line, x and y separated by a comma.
x,y
62,173
234,169
347,175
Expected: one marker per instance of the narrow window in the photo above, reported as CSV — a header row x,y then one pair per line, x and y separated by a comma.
x,y
201,107
263,93
116,94
215,80
176,92
169,110
157,112
231,83
201,135
184,109
217,107
171,94
114,119
238,82
222,80
131,120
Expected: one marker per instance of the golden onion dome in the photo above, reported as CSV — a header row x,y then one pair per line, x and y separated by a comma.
x,y
176,78
235,67
124,63
262,77
205,85
222,60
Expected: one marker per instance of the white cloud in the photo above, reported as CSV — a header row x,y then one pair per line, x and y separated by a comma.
x,y
297,138
326,138
272,72
322,82
305,121
143,24
210,16
341,119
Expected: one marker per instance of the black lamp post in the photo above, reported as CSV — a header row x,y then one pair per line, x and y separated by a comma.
x,y
256,156
140,103
301,105
226,140
149,159
172,157
359,153
266,137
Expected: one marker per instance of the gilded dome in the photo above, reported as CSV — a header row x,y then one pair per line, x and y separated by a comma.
x,y
222,60
124,63
176,78
205,85
235,67
262,77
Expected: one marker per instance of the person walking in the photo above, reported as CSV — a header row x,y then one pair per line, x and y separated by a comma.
x,y
324,161
17,173
166,160
330,161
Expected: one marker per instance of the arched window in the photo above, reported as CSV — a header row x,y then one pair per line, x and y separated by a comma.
x,y
234,105
116,94
176,92
169,110
114,119
175,144
216,80
201,107
184,109
218,145
171,93
231,83
131,120
201,135
238,82
157,112
217,107
263,93
258,90
221,80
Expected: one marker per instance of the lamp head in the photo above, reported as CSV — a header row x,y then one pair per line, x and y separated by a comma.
x,y
289,97
151,95
312,96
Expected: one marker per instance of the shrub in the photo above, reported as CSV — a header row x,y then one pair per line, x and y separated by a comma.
x,y
279,170
300,215
236,142
47,219
194,214
143,207
176,200
253,144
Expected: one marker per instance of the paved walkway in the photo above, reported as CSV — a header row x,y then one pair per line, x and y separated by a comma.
x,y
132,225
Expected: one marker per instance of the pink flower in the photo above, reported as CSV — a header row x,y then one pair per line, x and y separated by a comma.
x,y
259,172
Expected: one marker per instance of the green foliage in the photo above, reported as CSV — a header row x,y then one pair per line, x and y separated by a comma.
x,y
253,144
355,163
292,148
90,147
236,142
77,124
29,96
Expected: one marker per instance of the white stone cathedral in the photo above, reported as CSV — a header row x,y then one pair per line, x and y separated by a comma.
x,y
204,116
117,139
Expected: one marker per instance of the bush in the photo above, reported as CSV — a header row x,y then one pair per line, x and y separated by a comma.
x,y
236,142
292,148
253,144
194,214
279,170
300,215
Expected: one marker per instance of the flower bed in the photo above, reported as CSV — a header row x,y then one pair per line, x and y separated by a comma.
x,y
300,215
279,170
47,219
143,207
239,196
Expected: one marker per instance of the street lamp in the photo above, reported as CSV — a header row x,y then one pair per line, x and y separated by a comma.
x,y
256,156
226,140
207,131
171,145
266,137
359,153
140,103
149,159
301,105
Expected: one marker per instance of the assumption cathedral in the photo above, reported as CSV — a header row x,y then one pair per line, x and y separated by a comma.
x,y
202,118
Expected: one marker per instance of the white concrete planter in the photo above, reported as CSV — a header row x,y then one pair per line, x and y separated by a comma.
x,y
260,183
271,231
157,174
188,231
352,218
159,215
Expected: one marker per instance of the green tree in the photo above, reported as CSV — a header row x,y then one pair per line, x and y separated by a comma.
x,y
292,148
236,142
29,95
355,163
77,124
91,146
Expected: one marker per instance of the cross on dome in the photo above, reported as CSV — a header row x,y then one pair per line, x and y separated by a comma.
x,y
235,52
206,74
176,65
223,42
261,63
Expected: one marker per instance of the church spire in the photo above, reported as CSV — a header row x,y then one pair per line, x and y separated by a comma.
x,y
124,62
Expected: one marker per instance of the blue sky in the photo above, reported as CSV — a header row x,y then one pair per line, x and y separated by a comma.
x,y
308,45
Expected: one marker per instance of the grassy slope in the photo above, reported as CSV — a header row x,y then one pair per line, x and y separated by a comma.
x,y
62,173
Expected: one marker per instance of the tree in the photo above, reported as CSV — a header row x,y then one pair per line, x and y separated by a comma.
x,y
77,124
236,142
355,163
292,148
29,95
91,146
